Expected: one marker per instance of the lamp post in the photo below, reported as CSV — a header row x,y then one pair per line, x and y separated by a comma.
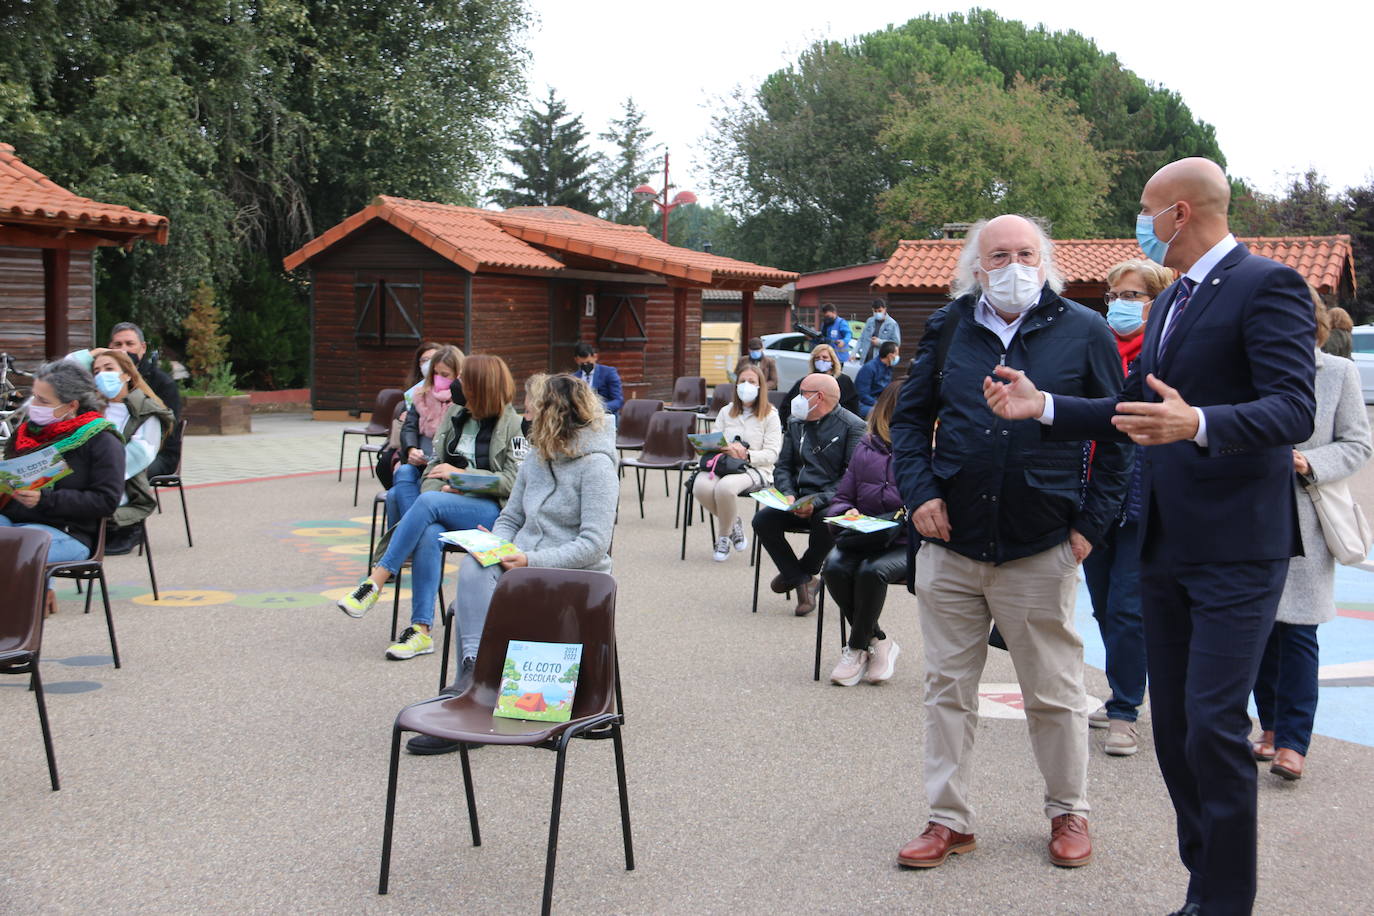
x,y
660,198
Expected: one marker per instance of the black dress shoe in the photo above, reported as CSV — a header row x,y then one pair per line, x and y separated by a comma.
x,y
1189,909
428,744
120,541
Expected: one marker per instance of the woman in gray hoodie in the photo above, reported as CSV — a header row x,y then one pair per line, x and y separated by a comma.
x,y
561,514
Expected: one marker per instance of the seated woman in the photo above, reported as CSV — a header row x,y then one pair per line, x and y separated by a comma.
x,y
753,432
429,401
824,361
473,438
419,369
143,422
858,577
64,414
561,514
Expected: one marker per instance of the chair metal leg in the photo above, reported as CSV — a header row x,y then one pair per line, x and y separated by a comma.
x,y
665,483
396,601
756,561
551,860
343,436
157,498
36,685
820,627
89,592
148,554
357,474
624,797
372,534
390,809
109,618
472,799
681,508
184,515
448,645
639,486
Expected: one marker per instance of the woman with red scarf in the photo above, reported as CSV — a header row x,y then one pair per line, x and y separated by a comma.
x,y
65,413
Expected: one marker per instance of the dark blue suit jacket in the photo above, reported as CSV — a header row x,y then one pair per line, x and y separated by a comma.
x,y
606,383
1242,352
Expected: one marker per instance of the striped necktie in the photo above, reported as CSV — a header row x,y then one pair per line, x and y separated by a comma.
x,y
1176,313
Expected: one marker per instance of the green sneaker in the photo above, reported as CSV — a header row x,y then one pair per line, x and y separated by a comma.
x,y
359,601
411,644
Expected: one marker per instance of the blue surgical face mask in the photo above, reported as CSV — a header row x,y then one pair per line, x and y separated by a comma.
x,y
896,360
1155,249
1125,317
756,355
109,383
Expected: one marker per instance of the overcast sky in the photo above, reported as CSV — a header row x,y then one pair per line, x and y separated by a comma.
x,y
1286,85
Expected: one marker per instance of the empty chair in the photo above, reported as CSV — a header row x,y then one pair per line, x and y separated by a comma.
x,y
23,555
721,395
174,480
689,393
666,448
374,448
633,423
90,571
544,605
379,424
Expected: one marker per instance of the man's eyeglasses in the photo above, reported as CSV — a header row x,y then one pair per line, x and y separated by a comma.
x,y
1130,295
1027,256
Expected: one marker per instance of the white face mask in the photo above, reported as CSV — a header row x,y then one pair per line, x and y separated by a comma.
x,y
748,392
424,368
823,366
801,407
1013,288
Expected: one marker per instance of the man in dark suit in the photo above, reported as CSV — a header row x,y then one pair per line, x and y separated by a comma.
x,y
605,381
1222,389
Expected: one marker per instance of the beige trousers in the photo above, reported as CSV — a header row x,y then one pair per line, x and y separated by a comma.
x,y
1032,601
720,495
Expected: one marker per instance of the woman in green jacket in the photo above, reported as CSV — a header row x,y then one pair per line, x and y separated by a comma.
x,y
480,438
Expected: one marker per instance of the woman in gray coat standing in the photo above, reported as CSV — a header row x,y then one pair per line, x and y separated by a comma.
x,y
1286,688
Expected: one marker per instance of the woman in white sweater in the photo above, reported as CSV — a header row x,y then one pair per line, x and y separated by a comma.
x,y
754,433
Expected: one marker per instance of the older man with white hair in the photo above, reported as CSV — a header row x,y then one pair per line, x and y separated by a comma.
x,y
1005,517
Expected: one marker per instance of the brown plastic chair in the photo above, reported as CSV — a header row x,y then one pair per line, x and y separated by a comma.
x,y
374,448
23,556
666,448
721,395
689,393
547,605
776,398
90,571
378,425
174,480
633,423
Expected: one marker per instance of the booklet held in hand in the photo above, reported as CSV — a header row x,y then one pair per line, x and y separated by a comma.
x,y
483,546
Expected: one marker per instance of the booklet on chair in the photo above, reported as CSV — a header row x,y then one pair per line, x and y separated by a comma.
x,y
539,680
476,483
484,547
861,523
773,498
32,471
707,443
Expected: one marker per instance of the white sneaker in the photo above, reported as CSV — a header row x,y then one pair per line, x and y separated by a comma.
x,y
1121,740
737,535
850,668
722,549
882,658
1098,717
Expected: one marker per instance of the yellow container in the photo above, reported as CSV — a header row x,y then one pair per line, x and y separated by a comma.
x,y
719,350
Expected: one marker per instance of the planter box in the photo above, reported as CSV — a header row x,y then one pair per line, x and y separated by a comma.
x,y
217,416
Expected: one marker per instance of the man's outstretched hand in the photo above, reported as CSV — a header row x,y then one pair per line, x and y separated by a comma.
x,y
1170,420
1016,398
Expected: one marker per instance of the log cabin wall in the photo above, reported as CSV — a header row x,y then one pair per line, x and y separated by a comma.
x,y
912,311
510,319
21,305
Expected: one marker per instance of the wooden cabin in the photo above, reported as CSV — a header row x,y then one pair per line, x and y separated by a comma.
x,y
48,237
526,284
915,280
849,289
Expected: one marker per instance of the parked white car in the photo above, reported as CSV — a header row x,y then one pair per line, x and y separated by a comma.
x,y
1362,352
792,351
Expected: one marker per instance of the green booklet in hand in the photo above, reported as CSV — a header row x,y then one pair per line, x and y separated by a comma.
x,y
475,483
539,681
707,443
33,471
774,498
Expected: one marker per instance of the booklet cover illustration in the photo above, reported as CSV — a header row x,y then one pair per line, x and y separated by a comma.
x,y
707,443
861,523
476,484
774,499
485,547
33,471
539,681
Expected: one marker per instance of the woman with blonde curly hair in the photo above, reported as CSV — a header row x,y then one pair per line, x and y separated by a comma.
x,y
824,361
561,514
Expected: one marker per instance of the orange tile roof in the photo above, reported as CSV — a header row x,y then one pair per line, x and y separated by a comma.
x,y
927,265
31,200
479,240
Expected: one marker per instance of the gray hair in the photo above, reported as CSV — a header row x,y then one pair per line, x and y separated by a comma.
x,y
128,326
71,382
966,281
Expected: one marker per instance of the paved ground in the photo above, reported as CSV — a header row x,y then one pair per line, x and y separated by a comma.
x,y
236,763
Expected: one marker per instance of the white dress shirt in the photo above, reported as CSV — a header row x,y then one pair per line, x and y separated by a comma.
x,y
988,317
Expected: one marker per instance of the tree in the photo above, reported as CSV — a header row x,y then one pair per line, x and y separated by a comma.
x,y
553,166
975,151
630,166
1358,220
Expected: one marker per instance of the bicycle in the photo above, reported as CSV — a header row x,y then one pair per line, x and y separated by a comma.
x,y
13,399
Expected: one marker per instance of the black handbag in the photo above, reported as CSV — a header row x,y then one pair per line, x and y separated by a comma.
x,y
852,541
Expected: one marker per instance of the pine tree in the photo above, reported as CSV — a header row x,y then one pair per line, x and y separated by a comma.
x,y
553,167
628,168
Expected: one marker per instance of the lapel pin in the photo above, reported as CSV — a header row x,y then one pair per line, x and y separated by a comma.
x,y
1216,280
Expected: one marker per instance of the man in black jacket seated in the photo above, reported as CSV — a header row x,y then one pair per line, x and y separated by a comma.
x,y
128,337
816,446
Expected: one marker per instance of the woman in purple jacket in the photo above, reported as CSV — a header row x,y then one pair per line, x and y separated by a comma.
x,y
858,579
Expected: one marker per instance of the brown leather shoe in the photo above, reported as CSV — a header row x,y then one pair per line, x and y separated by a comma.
x,y
1070,845
780,585
934,845
1263,749
806,596
1288,763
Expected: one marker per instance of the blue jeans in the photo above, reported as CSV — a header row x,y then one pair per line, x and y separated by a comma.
x,y
63,549
405,489
1112,571
417,538
1286,689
